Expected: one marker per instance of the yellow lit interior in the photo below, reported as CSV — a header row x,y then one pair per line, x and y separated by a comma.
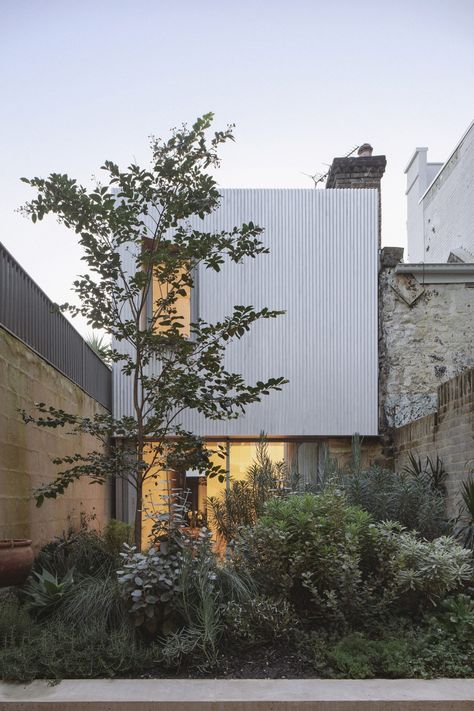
x,y
182,305
242,455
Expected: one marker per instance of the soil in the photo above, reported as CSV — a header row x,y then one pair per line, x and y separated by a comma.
x,y
277,662
266,663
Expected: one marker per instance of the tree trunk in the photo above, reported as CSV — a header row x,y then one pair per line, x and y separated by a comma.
x,y
138,512
138,404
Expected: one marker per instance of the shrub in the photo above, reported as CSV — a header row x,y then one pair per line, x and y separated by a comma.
x,y
258,620
179,592
465,524
149,583
77,582
62,651
399,651
436,653
85,552
405,497
117,533
263,553
318,553
15,622
424,572
342,571
455,616
432,471
358,657
96,602
199,607
207,589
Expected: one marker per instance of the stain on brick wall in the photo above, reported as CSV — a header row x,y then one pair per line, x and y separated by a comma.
x,y
447,432
26,451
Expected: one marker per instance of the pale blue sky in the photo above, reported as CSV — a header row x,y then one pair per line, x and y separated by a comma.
x,y
304,81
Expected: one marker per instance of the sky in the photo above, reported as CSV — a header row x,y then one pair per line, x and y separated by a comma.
x,y
304,81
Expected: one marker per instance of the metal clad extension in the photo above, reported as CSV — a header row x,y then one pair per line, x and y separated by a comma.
x,y
322,271
28,314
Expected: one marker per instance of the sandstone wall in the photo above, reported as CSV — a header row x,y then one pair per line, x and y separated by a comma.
x,y
422,344
26,450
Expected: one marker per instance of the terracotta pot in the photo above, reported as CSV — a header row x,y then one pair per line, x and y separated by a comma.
x,y
16,560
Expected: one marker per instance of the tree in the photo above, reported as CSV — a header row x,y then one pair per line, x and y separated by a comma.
x,y
173,366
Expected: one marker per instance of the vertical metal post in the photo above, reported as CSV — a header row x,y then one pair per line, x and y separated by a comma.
x,y
227,484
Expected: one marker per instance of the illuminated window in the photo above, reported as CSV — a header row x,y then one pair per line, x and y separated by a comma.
x,y
182,305
302,456
241,457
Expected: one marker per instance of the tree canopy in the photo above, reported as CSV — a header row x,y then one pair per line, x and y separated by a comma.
x,y
144,213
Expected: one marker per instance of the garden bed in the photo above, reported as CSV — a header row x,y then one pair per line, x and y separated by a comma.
x,y
316,586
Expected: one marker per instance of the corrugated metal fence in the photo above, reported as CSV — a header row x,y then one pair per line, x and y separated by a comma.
x,y
26,311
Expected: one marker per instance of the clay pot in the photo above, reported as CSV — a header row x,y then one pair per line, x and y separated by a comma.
x,y
16,560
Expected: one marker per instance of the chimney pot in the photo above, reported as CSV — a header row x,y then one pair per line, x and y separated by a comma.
x,y
365,150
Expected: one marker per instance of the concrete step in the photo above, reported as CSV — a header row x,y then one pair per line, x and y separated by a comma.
x,y
240,695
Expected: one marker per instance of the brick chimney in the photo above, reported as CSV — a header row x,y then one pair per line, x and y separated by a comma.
x,y
361,171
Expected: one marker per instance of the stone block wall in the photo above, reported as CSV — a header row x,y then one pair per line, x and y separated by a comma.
x,y
26,450
426,338
447,432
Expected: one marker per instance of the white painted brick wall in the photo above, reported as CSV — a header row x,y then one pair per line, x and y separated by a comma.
x,y
448,207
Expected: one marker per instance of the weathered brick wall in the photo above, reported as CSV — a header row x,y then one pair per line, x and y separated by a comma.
x,y
361,172
26,450
447,432
422,344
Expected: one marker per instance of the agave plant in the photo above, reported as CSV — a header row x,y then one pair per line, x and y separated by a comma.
x,y
99,345
45,591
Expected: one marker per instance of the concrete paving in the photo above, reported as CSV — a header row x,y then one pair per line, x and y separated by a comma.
x,y
240,695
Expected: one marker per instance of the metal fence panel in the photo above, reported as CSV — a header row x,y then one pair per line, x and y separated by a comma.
x,y
26,311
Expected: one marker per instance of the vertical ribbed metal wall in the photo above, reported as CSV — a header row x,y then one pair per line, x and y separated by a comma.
x,y
322,270
26,311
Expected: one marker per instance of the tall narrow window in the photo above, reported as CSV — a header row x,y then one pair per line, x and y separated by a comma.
x,y
182,305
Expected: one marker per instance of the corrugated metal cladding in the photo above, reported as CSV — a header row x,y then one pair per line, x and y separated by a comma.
x,y
322,271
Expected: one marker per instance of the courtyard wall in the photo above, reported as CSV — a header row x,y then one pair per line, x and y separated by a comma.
x,y
26,451
447,432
